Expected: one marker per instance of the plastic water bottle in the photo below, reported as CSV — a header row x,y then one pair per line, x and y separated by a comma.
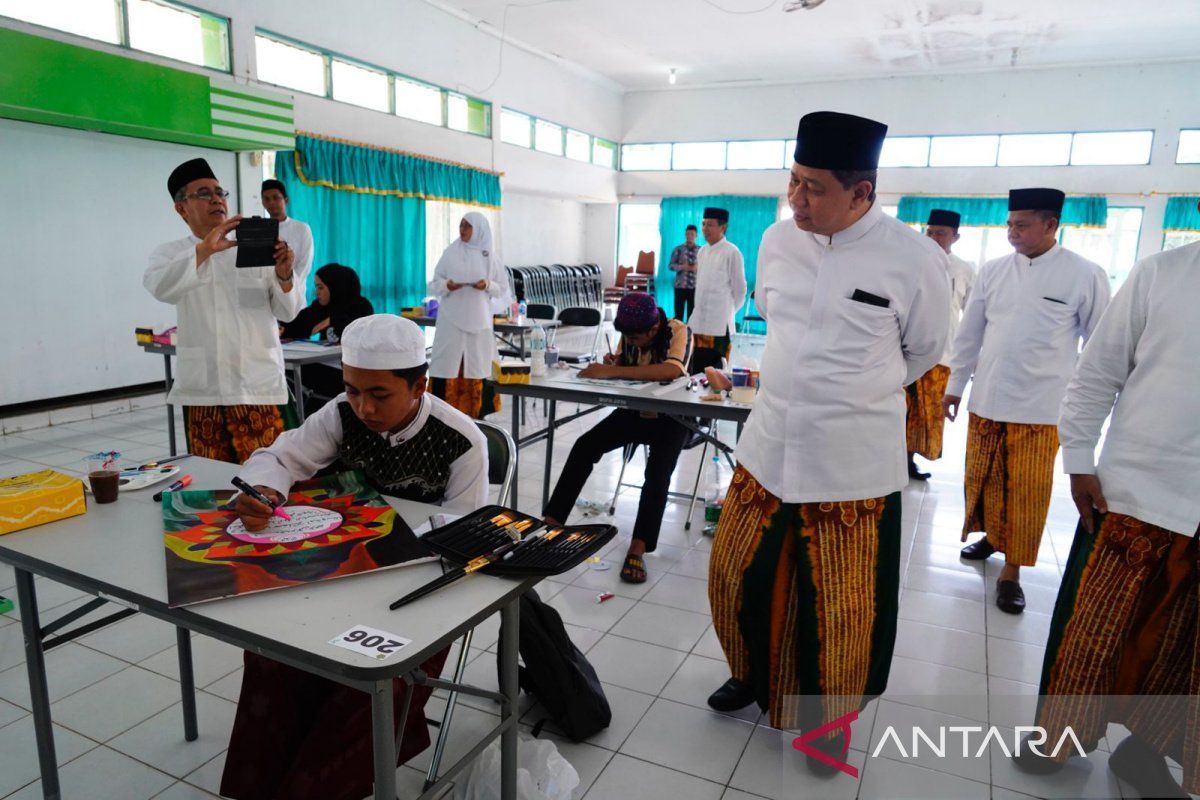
x,y
714,495
514,312
522,310
537,352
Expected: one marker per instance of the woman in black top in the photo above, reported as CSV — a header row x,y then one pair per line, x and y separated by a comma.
x,y
339,302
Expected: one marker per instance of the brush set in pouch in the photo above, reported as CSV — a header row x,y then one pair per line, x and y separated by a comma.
x,y
531,547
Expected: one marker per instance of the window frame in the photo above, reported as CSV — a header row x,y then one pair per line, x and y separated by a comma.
x,y
121,9
728,142
670,155
1149,150
1179,145
534,119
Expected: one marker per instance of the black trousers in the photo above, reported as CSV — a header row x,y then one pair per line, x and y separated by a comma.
x,y
665,437
685,303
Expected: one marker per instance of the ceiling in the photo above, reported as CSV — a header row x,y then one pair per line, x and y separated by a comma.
x,y
636,42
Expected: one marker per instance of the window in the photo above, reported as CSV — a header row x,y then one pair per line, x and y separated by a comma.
x,y
418,101
515,128
604,153
756,155
1114,246
181,33
95,19
698,155
963,151
1189,147
548,137
1035,150
579,145
1173,239
288,65
1112,148
468,114
645,157
637,230
359,86
905,151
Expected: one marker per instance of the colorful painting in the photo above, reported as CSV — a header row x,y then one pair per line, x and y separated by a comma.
x,y
340,526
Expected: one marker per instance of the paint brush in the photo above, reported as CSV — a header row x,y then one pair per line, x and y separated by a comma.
x,y
260,497
474,565
183,482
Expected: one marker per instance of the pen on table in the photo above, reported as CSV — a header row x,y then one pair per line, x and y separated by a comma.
x,y
260,497
161,461
608,343
177,485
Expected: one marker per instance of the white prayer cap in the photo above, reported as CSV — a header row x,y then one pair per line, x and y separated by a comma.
x,y
383,341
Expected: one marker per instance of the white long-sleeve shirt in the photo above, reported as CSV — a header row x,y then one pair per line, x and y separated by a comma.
x,y
298,454
720,289
962,278
828,423
1144,356
299,237
1020,334
227,350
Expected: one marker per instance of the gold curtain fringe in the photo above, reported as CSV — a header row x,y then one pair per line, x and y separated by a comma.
x,y
346,187
409,153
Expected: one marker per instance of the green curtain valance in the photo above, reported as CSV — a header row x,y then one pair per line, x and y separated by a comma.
x,y
363,169
1182,214
1088,211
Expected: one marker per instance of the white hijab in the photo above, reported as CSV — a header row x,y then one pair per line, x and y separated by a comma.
x,y
481,233
469,309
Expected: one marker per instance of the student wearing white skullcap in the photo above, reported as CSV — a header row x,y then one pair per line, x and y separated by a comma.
x,y
409,444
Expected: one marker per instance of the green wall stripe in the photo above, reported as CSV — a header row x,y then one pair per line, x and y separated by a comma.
x,y
237,115
245,96
242,107
245,127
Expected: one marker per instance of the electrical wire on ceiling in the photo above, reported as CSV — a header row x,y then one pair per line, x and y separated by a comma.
x,y
503,34
736,12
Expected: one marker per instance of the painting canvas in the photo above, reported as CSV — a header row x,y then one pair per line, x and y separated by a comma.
x,y
340,526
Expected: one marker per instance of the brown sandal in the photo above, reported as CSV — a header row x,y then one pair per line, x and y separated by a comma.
x,y
634,569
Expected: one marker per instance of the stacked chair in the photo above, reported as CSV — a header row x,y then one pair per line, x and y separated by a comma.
x,y
558,285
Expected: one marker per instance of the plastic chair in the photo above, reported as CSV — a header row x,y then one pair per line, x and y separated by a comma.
x,y
502,466
751,315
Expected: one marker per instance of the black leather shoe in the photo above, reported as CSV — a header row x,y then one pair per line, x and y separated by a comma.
x,y
977,551
1026,760
915,473
1142,767
829,747
1010,598
732,696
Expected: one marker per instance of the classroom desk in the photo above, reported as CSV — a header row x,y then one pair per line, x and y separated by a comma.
x,y
291,625
674,401
504,330
295,356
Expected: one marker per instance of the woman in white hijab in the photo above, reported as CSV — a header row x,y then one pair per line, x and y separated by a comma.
x,y
468,276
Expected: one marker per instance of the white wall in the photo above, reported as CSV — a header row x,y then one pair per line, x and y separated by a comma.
x,y
539,229
1164,97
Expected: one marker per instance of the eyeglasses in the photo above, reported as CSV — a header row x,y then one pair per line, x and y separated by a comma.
x,y
207,195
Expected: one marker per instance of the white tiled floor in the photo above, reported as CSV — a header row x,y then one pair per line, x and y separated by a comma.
x,y
116,700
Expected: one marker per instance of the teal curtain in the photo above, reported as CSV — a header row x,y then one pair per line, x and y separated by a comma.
x,y
381,236
371,170
749,217
1182,214
1085,211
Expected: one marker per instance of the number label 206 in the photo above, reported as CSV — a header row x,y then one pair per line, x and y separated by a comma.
x,y
370,642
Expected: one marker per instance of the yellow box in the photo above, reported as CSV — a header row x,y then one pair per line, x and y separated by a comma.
x,y
510,371
37,498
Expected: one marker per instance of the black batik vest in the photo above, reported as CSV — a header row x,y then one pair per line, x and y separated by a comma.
x,y
417,469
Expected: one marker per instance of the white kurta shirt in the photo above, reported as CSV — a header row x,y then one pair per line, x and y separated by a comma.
x,y
720,289
464,322
962,278
228,350
298,454
299,237
1144,356
1020,334
828,423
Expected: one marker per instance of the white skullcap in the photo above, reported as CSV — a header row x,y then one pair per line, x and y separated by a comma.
x,y
383,341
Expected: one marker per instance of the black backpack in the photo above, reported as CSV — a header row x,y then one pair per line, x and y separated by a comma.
x,y
557,673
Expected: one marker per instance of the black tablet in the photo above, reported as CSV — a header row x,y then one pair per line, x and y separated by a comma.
x,y
256,237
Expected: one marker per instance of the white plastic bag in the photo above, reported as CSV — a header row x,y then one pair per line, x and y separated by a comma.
x,y
542,773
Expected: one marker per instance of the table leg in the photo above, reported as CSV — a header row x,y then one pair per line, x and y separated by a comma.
x,y
299,388
516,434
187,682
510,617
170,408
39,694
383,737
549,452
